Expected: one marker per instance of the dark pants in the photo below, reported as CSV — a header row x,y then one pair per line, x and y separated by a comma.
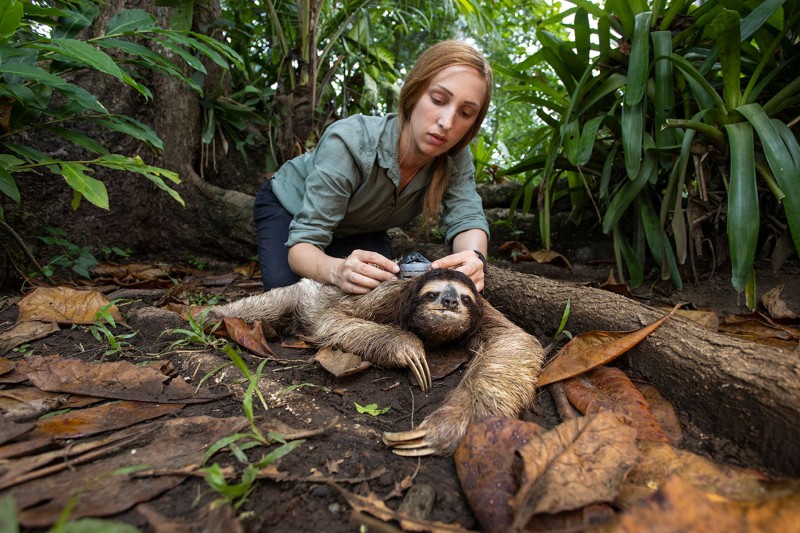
x,y
272,229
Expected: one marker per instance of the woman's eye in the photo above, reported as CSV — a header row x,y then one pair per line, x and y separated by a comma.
x,y
466,114
437,100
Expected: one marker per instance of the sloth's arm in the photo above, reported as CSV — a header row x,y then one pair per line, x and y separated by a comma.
x,y
383,345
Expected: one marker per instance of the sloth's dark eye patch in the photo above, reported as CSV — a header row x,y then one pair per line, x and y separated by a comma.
x,y
466,299
430,296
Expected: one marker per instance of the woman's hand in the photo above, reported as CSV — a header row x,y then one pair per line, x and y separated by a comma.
x,y
362,271
466,261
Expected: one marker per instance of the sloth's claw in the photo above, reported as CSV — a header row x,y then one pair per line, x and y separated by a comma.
x,y
419,367
408,443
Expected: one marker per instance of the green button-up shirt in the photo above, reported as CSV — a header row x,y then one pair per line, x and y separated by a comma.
x,y
349,184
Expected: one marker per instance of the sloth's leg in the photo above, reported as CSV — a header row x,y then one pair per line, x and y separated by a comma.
x,y
270,306
380,344
501,380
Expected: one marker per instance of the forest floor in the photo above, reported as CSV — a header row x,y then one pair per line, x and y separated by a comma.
x,y
336,479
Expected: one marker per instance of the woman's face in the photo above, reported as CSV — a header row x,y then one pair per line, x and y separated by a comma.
x,y
444,114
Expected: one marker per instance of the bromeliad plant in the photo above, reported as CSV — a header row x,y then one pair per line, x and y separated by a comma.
x,y
678,126
41,47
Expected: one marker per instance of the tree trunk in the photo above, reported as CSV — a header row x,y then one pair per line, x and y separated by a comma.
x,y
746,393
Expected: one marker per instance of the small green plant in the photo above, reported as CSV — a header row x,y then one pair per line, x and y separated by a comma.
x,y
197,263
238,443
24,350
564,317
74,256
197,334
100,331
371,409
111,252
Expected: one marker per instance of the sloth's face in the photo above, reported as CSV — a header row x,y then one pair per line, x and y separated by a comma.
x,y
444,310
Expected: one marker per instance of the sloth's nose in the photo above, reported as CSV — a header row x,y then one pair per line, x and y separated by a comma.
x,y
449,298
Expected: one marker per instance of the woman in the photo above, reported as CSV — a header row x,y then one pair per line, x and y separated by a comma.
x,y
324,214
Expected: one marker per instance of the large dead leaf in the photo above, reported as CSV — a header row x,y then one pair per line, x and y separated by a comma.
x,y
65,305
487,464
110,486
520,252
24,332
664,412
660,461
679,507
756,327
588,350
26,403
10,429
253,337
119,380
580,462
106,417
340,363
609,389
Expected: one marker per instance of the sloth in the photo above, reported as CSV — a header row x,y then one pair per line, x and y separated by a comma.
x,y
395,325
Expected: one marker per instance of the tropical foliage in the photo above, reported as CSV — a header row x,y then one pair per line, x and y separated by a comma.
x,y
41,49
677,128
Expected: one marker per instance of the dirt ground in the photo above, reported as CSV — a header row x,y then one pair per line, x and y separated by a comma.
x,y
347,453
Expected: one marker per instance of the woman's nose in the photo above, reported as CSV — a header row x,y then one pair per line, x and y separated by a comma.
x,y
446,119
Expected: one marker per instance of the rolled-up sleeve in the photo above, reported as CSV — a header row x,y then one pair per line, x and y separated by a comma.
x,y
334,176
463,208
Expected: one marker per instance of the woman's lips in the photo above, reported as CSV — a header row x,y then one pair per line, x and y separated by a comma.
x,y
436,139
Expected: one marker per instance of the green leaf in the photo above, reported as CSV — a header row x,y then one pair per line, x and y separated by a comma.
x,y
705,95
743,213
758,16
128,21
639,60
663,97
635,271
79,139
90,188
726,29
10,17
630,190
580,145
7,184
371,409
80,95
83,53
129,126
783,155
632,132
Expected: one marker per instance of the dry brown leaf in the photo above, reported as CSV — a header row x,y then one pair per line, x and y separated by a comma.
x,y
375,507
579,462
132,272
516,250
105,488
65,305
444,361
6,366
488,478
549,256
10,429
612,285
592,349
106,417
776,307
756,327
253,338
679,507
660,461
585,519
609,389
708,318
26,403
297,344
23,332
116,380
664,411
340,363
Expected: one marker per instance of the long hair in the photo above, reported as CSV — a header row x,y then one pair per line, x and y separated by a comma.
x,y
432,61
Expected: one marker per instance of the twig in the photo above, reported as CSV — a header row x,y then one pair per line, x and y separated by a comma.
x,y
565,410
22,245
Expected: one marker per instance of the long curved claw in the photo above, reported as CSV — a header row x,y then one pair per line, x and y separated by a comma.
x,y
408,443
419,367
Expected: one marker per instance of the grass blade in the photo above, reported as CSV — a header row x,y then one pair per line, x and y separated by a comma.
x,y
639,60
726,28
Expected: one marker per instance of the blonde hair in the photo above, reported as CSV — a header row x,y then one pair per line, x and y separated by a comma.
x,y
432,61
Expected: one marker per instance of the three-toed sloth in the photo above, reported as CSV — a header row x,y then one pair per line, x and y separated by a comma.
x,y
394,325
